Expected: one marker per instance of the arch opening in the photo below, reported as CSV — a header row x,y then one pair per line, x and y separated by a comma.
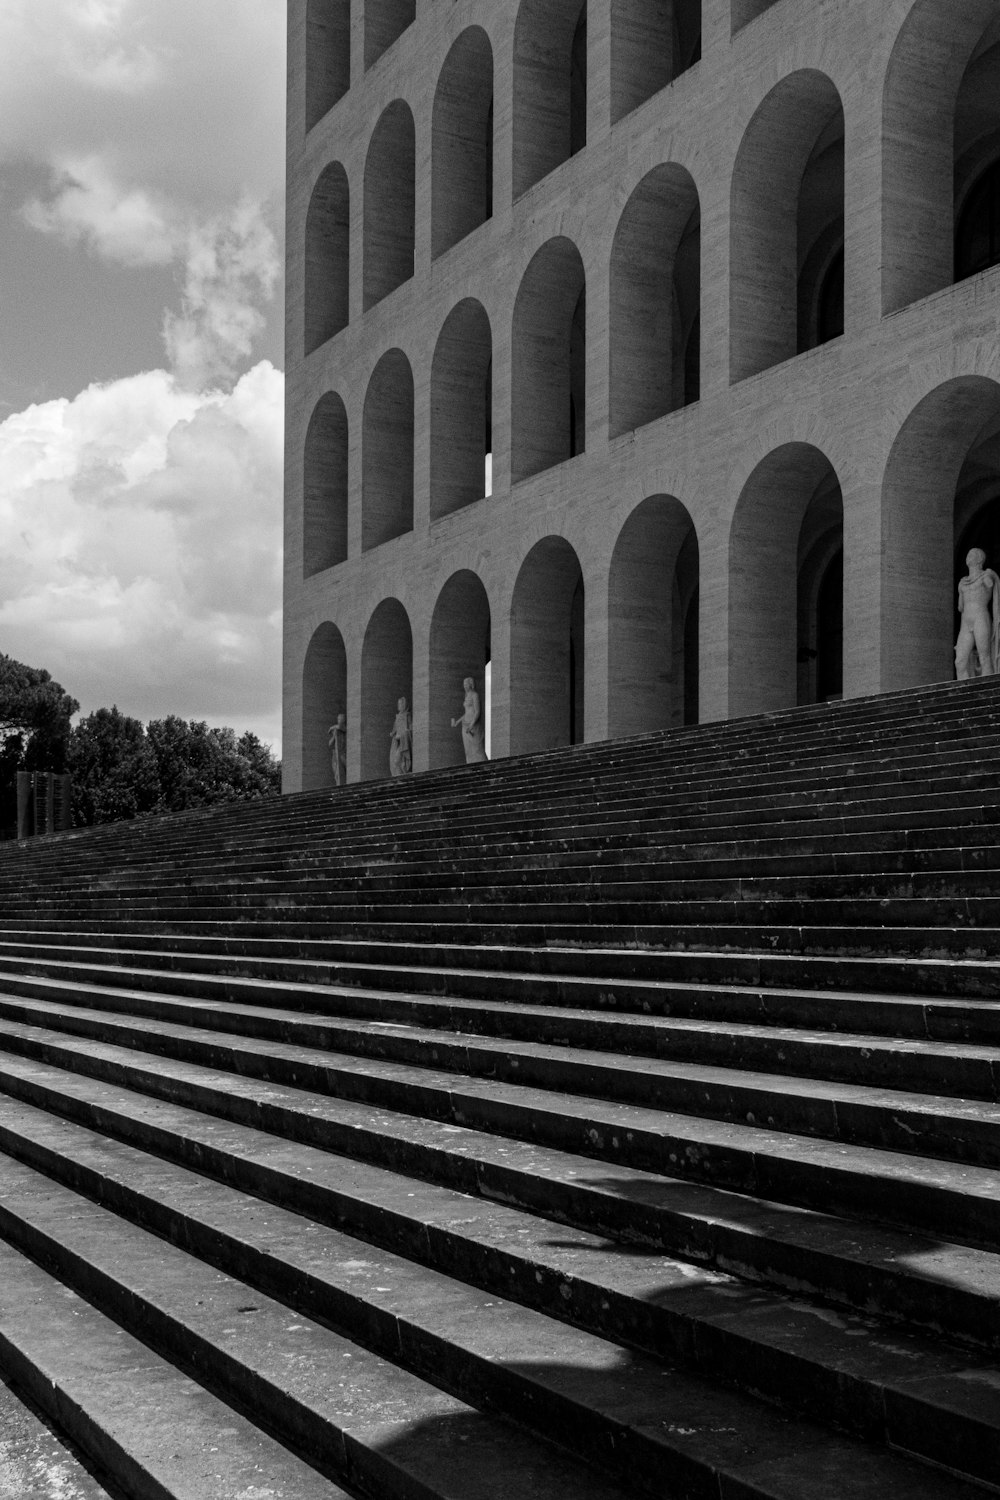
x,y
820,610
324,696
327,260
547,663
787,224
462,142
390,204
461,409
385,21
328,56
550,87
653,620
787,528
548,402
460,647
655,301
940,136
324,532
387,452
940,496
652,43
386,676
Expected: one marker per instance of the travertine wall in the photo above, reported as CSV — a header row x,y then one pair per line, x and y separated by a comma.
x,y
740,159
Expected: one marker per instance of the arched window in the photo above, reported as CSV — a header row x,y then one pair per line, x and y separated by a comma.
x,y
977,241
655,297
940,131
328,56
324,516
787,221
390,194
327,266
652,43
550,87
385,20
462,141
548,409
387,452
461,409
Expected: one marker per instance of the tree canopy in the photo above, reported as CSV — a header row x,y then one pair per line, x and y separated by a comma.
x,y
36,710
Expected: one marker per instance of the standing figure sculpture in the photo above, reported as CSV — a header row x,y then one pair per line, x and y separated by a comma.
x,y
337,741
979,606
471,720
401,742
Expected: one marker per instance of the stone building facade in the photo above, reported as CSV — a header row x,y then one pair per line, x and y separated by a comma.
x,y
704,292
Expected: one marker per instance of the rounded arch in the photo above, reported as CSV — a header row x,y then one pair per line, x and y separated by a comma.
x,y
655,297
943,468
547,649
387,452
652,586
385,21
327,262
462,141
550,87
548,401
324,521
328,56
768,537
652,43
460,647
386,676
324,696
929,142
461,408
787,209
389,208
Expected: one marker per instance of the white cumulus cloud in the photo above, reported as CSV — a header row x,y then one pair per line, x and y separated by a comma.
x,y
140,519
141,558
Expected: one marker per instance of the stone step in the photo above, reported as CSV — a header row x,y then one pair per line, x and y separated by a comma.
x,y
863,1090
364,1419
149,1429
619,1409
574,1061
573,995
418,1186
959,1201
326,831
35,1460
965,871
563,972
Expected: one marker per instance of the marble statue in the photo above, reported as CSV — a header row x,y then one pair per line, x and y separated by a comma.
x,y
337,740
401,742
471,720
979,606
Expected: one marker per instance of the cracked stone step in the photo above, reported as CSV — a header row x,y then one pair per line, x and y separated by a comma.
x,y
666,1203
666,1064
443,1327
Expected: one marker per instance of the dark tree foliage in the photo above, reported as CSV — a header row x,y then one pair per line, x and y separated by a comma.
x,y
36,710
199,766
34,729
113,768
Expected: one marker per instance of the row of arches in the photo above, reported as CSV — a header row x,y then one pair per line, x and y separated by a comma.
x,y
941,204
654,369
793,619
652,43
328,46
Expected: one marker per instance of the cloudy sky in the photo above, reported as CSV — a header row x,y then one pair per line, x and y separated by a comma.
x,y
141,181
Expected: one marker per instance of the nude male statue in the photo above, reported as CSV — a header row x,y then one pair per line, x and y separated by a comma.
x,y
978,593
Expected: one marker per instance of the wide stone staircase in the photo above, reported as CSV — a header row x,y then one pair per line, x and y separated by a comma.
x,y
614,1121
